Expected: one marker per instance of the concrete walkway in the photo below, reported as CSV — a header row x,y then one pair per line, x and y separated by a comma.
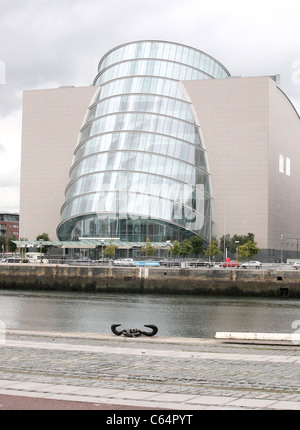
x,y
155,373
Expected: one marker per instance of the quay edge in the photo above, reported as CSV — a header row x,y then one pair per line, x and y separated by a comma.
x,y
149,280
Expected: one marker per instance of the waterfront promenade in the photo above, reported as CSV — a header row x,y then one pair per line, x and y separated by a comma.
x,y
94,371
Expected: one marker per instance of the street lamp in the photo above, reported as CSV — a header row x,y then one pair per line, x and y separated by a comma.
x,y
237,250
102,242
168,244
41,248
297,239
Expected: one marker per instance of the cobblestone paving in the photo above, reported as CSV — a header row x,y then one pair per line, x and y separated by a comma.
x,y
165,373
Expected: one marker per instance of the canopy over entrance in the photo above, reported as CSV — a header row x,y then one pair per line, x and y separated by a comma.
x,y
87,243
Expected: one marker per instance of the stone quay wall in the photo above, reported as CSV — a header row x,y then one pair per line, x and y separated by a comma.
x,y
151,280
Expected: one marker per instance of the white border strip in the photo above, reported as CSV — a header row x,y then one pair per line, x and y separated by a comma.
x,y
293,337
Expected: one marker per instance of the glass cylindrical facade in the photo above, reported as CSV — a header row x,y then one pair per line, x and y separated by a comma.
x,y
139,169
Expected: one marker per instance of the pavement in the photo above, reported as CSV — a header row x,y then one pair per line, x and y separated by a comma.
x,y
55,370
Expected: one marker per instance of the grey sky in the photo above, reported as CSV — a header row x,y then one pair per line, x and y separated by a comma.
x,y
51,43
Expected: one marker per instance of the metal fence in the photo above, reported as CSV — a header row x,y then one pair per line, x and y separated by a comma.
x,y
180,263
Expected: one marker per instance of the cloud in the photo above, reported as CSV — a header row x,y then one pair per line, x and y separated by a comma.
x,y
10,197
57,42
51,43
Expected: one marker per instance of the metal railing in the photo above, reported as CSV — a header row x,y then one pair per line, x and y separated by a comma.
x,y
183,263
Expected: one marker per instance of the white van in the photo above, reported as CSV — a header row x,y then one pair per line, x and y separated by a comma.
x,y
36,257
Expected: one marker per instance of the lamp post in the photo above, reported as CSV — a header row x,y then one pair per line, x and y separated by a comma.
x,y
237,250
102,243
168,244
297,239
41,248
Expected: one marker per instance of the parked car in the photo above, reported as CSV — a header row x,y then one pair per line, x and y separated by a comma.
x,y
123,262
81,262
248,264
201,263
170,263
36,257
296,265
16,259
231,263
102,261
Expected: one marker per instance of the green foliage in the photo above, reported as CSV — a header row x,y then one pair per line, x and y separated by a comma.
x,y
148,249
43,237
186,248
2,243
197,245
110,250
230,242
11,246
213,249
7,244
248,250
175,249
227,240
193,246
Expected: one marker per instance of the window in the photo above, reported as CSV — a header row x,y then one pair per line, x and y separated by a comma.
x,y
284,165
281,163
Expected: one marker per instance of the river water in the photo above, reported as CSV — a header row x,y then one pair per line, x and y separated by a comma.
x,y
176,316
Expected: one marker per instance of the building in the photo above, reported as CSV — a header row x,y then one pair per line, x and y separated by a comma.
x,y
252,135
9,225
50,125
165,144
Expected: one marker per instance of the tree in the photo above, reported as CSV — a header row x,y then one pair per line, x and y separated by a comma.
x,y
11,246
7,244
197,244
2,243
148,248
213,249
248,250
231,242
186,248
110,250
175,249
227,240
43,237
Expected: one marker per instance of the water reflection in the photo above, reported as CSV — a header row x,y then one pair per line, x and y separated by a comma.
x,y
180,316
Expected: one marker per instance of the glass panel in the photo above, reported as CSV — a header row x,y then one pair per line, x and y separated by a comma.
x,y
155,133
172,54
281,163
179,53
166,52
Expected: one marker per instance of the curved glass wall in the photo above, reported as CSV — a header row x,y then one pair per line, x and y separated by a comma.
x,y
139,169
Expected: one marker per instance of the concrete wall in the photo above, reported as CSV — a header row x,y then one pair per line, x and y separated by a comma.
x,y
246,123
258,283
233,117
51,123
284,189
